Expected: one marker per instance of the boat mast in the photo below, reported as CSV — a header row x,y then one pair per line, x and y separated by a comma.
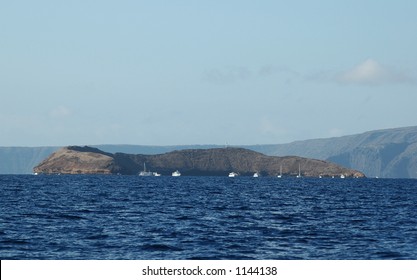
x,y
280,171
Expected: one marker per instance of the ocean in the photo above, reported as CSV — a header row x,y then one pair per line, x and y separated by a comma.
x,y
139,218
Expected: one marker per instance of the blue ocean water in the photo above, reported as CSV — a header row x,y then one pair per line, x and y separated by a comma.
x,y
132,217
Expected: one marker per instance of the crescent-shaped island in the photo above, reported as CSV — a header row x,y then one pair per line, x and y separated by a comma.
x,y
193,162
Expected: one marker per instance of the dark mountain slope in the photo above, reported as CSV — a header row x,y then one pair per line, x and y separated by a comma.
x,y
21,160
383,153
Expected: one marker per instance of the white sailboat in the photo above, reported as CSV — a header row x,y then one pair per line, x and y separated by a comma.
x,y
148,173
280,171
144,172
299,171
256,175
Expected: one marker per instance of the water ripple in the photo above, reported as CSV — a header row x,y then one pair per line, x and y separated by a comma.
x,y
131,217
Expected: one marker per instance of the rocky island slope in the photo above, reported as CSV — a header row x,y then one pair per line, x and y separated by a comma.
x,y
204,162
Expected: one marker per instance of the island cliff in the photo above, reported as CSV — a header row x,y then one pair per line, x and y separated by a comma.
x,y
204,162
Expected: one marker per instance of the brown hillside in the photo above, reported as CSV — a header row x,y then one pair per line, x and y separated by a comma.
x,y
214,162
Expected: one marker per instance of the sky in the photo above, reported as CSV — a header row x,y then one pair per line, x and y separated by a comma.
x,y
180,72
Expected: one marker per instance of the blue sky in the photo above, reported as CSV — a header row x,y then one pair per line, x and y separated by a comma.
x,y
204,72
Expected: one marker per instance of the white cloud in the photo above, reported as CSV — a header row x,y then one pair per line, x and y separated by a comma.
x,y
371,72
60,112
271,129
336,132
228,75
268,70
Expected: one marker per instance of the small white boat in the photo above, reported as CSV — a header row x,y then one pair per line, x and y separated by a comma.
x,y
233,174
256,175
280,171
299,171
342,176
176,173
148,173
144,172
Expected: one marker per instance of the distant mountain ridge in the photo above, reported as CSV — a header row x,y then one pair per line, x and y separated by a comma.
x,y
388,153
21,160
194,162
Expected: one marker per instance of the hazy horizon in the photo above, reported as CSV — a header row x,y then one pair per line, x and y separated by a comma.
x,y
202,144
